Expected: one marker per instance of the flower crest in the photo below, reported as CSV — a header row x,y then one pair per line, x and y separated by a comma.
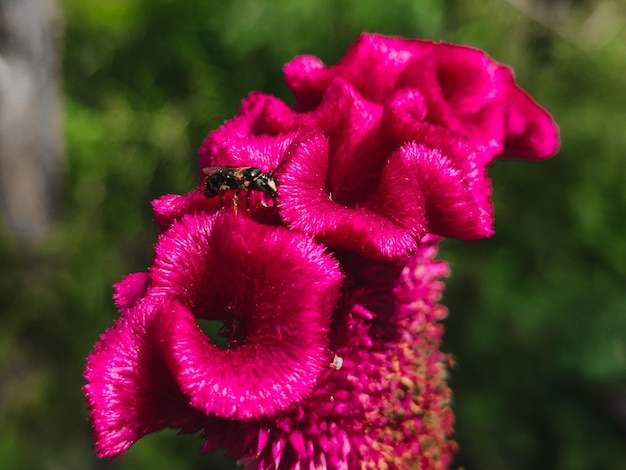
x,y
326,298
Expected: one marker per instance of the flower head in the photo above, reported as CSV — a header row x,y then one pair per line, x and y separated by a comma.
x,y
388,404
328,297
388,145
458,88
274,290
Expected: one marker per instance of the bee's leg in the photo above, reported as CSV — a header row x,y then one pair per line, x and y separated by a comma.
x,y
236,201
221,199
248,200
274,204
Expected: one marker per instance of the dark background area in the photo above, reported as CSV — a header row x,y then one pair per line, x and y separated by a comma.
x,y
537,313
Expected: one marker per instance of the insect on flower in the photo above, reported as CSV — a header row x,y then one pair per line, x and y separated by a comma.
x,y
238,178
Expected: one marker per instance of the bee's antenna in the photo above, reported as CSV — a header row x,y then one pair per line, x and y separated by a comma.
x,y
280,165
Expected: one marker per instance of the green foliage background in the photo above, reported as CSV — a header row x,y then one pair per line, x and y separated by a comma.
x,y
537,313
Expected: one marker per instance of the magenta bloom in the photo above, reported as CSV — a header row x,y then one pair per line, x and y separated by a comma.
x,y
377,208
394,142
273,290
388,406
455,87
324,287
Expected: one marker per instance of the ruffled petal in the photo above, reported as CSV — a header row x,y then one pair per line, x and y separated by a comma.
x,y
386,230
373,64
357,151
389,404
456,190
172,207
275,288
130,390
381,155
531,132
130,290
248,122
465,92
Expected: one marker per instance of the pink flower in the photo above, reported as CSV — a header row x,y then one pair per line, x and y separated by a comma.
x,y
327,295
275,292
388,405
458,88
130,390
531,131
348,195
388,145
421,190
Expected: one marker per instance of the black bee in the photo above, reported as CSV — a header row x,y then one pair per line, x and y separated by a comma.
x,y
238,178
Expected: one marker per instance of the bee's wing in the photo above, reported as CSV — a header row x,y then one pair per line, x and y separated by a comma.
x,y
209,170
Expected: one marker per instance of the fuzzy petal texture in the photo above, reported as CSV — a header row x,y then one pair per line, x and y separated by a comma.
x,y
248,122
328,294
464,91
454,192
373,64
531,131
265,125
357,150
235,145
130,290
388,405
382,231
458,88
172,207
130,390
277,289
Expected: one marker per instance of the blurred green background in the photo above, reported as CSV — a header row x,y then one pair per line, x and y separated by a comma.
x,y
537,313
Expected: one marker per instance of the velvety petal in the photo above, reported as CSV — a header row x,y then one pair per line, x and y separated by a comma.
x,y
455,196
357,147
130,290
373,65
404,120
248,122
404,115
308,78
264,152
330,115
172,207
465,92
531,132
388,406
129,389
357,152
384,231
277,289
323,367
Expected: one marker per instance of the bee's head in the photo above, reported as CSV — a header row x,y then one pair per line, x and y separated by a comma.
x,y
266,183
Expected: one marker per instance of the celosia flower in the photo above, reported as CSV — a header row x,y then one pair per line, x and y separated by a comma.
x,y
274,289
388,405
458,88
130,390
421,190
328,298
448,110
349,195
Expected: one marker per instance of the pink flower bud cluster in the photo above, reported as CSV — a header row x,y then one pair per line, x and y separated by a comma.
x,y
328,293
